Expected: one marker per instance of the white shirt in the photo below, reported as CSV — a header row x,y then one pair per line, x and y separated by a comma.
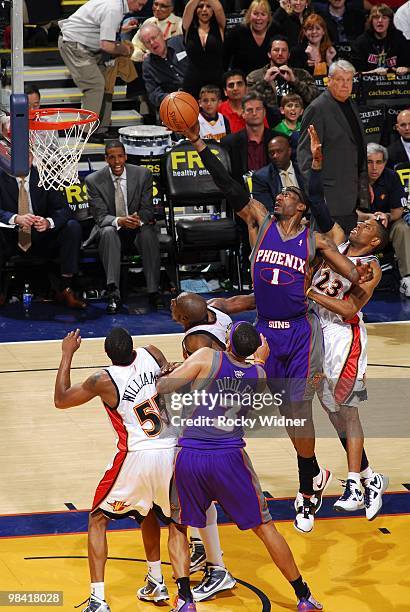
x,y
94,21
401,19
406,146
292,175
123,185
26,180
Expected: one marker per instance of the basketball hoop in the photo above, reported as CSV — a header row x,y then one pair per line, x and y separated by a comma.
x,y
57,139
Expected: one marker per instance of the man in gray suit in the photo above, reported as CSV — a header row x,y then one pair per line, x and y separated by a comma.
x,y
120,200
340,131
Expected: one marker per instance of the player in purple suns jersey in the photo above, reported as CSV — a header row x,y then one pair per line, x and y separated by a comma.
x,y
204,325
345,344
211,463
283,256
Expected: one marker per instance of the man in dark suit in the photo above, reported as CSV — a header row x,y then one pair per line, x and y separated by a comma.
x,y
399,150
340,130
41,224
120,200
248,148
280,173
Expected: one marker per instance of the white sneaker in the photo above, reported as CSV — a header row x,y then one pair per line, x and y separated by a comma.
x,y
153,590
352,498
216,579
374,488
305,513
96,605
405,286
320,484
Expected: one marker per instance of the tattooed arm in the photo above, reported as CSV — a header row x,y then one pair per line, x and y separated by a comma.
x,y
98,384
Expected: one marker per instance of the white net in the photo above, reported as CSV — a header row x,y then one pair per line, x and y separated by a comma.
x,y
56,152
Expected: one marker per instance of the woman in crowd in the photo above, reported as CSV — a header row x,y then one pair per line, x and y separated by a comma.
x,y
381,48
203,23
289,17
315,53
248,44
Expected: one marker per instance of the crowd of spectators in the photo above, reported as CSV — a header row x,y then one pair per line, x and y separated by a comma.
x,y
256,84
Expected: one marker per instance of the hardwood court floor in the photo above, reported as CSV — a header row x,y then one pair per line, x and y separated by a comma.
x,y
349,563
50,458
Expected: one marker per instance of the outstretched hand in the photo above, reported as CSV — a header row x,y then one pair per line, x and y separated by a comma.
x,y
71,342
315,147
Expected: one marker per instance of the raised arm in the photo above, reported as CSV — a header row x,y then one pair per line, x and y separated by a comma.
x,y
318,206
96,385
355,300
189,12
250,210
219,15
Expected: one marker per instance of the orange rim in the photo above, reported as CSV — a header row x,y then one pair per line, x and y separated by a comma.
x,y
36,123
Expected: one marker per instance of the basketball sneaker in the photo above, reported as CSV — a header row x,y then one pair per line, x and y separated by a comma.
x,y
320,484
182,605
309,603
216,579
95,604
153,590
374,488
198,556
305,513
352,498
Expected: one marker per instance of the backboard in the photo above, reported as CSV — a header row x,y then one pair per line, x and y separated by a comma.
x,y
14,135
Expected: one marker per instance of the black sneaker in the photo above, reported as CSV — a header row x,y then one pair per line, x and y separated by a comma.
x,y
198,556
216,579
114,304
96,138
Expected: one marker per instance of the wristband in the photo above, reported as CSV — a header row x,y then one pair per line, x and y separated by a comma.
x,y
307,292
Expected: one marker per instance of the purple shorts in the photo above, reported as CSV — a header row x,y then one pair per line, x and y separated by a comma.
x,y
296,355
201,477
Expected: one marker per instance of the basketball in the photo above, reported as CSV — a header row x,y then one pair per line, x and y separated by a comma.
x,y
179,111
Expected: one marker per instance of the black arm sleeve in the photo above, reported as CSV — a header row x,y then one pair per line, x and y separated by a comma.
x,y
236,195
318,206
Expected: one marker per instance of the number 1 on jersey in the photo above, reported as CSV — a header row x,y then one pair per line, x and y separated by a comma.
x,y
275,276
